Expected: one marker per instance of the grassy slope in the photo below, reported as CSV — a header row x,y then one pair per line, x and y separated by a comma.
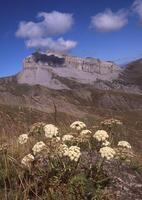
x,y
35,104
96,104
16,120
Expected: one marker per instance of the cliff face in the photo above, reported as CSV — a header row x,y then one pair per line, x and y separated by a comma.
x,y
45,68
92,65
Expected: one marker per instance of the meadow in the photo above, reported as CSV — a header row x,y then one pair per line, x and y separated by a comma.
x,y
73,162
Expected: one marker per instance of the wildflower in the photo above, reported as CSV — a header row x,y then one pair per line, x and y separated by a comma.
x,y
124,144
38,147
63,150
67,138
27,160
101,135
85,133
50,131
74,153
22,139
78,125
106,143
107,152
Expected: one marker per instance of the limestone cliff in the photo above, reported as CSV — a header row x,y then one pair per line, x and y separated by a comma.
x,y
45,68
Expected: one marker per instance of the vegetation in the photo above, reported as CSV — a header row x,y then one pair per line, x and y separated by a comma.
x,y
50,163
52,60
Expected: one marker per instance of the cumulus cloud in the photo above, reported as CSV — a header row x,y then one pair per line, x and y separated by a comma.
x,y
29,30
48,43
53,23
137,8
108,21
39,34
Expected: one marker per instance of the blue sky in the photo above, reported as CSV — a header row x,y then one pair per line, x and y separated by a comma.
x,y
105,29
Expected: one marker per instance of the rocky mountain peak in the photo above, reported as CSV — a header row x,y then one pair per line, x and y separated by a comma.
x,y
44,68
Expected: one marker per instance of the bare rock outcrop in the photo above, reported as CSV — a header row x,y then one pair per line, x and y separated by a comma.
x,y
45,68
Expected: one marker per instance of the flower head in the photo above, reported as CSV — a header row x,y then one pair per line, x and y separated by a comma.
x,y
27,160
107,152
22,139
85,133
124,144
50,131
78,125
38,147
106,143
63,150
101,135
67,137
74,153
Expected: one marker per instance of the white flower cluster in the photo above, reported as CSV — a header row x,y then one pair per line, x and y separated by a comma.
x,y
22,139
63,150
50,130
107,152
85,133
74,153
106,143
67,137
101,135
27,160
78,125
110,122
124,144
38,147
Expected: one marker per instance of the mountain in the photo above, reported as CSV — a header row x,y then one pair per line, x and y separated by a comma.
x,y
132,74
47,69
86,89
61,71
74,82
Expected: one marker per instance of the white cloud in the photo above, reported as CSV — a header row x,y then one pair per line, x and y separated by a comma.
x,y
137,8
48,43
38,34
56,22
29,30
53,23
108,21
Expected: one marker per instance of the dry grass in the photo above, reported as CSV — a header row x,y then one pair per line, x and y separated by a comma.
x,y
75,182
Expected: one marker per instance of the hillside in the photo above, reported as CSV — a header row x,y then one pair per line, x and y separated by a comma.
x,y
132,73
31,104
120,97
50,91
90,101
